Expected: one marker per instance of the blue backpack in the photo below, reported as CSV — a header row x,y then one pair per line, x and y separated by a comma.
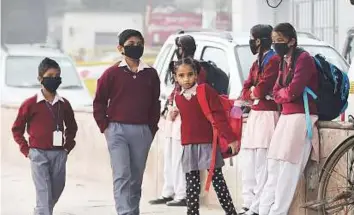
x,y
333,91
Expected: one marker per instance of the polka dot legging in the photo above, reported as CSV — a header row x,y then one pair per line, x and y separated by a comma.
x,y
220,187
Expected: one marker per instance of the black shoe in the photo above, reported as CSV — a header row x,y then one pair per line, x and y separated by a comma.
x,y
243,211
177,203
160,201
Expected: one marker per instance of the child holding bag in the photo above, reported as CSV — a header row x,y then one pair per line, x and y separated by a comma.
x,y
197,137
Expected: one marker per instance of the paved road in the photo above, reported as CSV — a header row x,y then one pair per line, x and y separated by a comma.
x,y
80,197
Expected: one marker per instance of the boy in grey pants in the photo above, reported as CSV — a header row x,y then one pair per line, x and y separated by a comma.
x,y
51,126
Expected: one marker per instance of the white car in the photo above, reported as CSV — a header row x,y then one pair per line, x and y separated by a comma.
x,y
19,73
232,54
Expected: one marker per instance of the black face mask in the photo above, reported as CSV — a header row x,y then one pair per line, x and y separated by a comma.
x,y
253,46
51,83
281,48
134,52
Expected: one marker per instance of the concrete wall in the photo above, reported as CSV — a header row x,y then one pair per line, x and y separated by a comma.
x,y
90,160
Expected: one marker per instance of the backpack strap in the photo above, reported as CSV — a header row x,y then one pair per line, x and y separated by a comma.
x,y
266,58
307,110
204,105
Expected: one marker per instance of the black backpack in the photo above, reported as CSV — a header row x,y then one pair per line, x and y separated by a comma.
x,y
333,89
216,78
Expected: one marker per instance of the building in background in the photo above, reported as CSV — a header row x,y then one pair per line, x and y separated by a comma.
x,y
164,19
329,20
89,34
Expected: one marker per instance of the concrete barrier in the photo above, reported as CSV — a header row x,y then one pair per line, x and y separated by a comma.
x,y
90,160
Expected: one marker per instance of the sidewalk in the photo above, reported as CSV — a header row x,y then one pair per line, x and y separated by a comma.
x,y
80,197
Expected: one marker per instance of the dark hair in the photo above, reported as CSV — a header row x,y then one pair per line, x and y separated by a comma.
x,y
128,33
185,61
264,34
188,45
287,30
47,64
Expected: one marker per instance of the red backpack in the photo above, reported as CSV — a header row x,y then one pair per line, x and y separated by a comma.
x,y
235,124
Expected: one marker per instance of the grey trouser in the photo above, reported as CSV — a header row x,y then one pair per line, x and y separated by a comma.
x,y
48,173
128,147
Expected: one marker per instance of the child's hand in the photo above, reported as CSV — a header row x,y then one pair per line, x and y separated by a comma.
x,y
235,147
173,113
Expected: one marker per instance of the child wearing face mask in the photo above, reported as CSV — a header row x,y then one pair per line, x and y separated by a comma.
x,y
261,120
127,110
51,127
291,144
197,136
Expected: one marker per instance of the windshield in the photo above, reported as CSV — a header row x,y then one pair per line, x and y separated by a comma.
x,y
22,71
246,58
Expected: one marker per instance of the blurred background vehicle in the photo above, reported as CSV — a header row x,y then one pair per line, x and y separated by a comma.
x,y
231,53
348,50
19,75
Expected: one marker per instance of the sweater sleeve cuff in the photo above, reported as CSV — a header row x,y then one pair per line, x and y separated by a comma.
x,y
24,150
69,146
247,95
103,125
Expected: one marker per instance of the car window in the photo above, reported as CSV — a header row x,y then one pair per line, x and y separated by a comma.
x,y
350,49
246,58
217,56
161,60
22,71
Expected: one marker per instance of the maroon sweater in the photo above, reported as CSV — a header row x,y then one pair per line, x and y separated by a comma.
x,y
263,84
305,75
126,97
196,128
40,124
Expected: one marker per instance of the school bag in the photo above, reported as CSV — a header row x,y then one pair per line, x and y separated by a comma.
x,y
266,59
333,91
216,78
234,122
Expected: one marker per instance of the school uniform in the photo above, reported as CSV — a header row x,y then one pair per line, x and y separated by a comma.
x,y
290,148
174,177
48,155
197,136
259,130
127,110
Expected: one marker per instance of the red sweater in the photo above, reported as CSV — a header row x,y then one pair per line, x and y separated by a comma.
x,y
40,124
126,97
196,128
263,84
305,75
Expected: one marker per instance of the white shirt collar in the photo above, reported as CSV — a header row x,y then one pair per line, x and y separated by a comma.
x,y
40,97
141,66
189,92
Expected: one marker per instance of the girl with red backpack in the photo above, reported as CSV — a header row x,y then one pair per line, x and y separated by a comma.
x,y
293,138
197,137
261,120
